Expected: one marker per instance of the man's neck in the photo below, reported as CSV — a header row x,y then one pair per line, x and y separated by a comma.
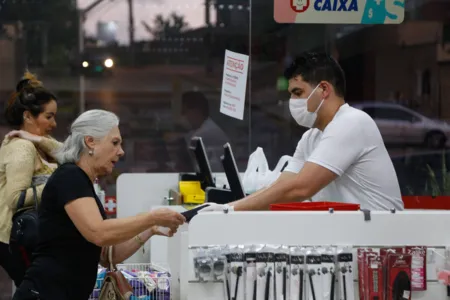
x,y
328,113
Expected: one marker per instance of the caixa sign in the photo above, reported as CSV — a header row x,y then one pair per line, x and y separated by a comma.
x,y
339,11
300,6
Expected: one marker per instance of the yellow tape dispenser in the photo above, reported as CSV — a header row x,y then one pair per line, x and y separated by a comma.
x,y
192,192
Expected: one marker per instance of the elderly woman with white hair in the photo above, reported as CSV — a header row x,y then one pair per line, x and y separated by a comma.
x,y
73,227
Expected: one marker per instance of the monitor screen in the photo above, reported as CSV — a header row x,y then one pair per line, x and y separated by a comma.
x,y
232,172
203,167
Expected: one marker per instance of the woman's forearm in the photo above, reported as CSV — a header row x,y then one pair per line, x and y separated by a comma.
x,y
126,249
48,145
117,231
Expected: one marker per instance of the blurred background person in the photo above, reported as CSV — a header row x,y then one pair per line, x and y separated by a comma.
x,y
196,118
31,110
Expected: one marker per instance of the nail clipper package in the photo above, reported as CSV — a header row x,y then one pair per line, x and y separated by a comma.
x,y
418,267
314,274
375,278
367,257
250,272
297,273
203,266
360,253
399,276
328,256
345,273
236,263
281,273
384,253
265,268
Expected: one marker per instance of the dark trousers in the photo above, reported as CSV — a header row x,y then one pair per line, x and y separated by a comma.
x,y
26,291
14,267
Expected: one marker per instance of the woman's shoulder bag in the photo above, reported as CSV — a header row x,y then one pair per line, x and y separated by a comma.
x,y
115,286
24,232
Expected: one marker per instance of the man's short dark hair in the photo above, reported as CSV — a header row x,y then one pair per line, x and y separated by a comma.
x,y
315,67
195,100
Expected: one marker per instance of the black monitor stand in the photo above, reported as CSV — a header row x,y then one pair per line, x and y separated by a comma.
x,y
232,172
202,166
219,196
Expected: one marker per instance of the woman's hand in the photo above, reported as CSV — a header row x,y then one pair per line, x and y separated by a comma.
x,y
24,135
162,231
169,218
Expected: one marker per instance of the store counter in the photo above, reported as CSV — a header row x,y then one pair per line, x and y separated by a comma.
x,y
282,230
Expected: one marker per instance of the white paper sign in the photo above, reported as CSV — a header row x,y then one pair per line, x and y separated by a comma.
x,y
234,84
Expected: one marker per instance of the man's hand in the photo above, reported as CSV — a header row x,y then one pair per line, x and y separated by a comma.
x,y
216,207
24,135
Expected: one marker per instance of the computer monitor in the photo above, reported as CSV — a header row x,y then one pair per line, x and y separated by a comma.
x,y
204,173
232,172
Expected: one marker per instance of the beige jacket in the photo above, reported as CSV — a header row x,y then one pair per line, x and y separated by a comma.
x,y
20,163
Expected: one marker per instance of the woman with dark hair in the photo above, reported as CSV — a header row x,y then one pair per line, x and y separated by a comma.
x,y
31,110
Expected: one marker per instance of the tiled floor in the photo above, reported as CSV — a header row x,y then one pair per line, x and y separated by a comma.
x,y
5,286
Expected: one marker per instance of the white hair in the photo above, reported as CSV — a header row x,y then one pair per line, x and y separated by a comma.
x,y
95,123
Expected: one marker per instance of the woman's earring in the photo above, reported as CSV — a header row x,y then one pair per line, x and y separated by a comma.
x,y
91,152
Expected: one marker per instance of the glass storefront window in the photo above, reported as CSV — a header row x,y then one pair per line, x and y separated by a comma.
x,y
166,85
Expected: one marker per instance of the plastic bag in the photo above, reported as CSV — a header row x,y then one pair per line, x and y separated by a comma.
x,y
273,176
258,175
256,172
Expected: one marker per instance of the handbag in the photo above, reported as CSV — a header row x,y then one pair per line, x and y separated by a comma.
x,y
115,286
24,232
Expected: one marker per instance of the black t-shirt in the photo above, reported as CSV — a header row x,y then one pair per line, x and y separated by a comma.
x,y
64,264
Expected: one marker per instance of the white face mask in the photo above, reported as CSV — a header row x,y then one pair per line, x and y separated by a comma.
x,y
300,113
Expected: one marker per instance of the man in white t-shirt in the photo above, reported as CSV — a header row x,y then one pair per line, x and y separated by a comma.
x,y
342,158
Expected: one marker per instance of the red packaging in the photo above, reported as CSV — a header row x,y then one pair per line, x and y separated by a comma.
x,y
418,267
399,276
384,261
368,256
375,279
361,267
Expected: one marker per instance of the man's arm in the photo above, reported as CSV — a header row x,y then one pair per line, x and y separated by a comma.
x,y
336,151
289,187
286,175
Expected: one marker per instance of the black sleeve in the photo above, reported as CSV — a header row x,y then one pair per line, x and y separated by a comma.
x,y
72,183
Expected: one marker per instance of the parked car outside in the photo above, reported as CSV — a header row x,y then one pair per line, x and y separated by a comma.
x,y
400,125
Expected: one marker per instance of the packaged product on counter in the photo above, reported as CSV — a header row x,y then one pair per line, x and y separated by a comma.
x,y
398,276
418,267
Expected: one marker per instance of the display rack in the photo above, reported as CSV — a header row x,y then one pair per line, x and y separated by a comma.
x,y
376,229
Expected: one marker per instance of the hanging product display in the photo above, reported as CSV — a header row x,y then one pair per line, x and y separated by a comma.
x,y
250,272
391,273
328,258
280,272
418,267
297,271
345,278
398,277
314,271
